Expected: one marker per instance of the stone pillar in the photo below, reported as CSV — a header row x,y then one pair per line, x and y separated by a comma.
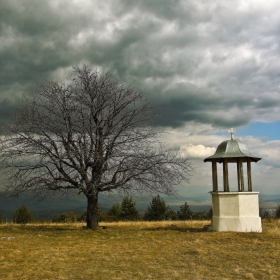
x,y
214,176
240,177
225,175
249,175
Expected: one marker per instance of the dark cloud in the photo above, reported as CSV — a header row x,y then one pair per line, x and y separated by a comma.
x,y
6,112
185,103
209,63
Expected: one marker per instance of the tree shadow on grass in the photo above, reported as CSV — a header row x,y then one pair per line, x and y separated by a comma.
x,y
52,228
181,229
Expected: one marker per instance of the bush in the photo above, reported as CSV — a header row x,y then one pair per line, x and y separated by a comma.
x,y
2,218
103,215
82,217
266,214
69,217
157,211
128,209
22,215
185,213
277,212
114,213
203,215
170,214
209,214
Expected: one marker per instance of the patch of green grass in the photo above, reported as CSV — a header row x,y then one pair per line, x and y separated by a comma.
x,y
138,250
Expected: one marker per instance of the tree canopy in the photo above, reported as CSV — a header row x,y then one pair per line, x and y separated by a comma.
x,y
92,134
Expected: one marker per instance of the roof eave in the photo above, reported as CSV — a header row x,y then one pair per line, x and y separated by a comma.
x,y
220,158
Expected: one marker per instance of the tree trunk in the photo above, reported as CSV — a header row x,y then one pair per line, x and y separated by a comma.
x,y
92,212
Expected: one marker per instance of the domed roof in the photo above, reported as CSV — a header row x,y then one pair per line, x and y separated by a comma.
x,y
231,150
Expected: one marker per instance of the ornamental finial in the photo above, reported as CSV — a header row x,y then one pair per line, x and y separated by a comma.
x,y
231,131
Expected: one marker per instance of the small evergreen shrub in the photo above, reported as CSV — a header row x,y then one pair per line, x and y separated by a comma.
x,y
185,212
170,214
114,213
277,212
22,215
2,218
128,209
69,217
266,214
157,211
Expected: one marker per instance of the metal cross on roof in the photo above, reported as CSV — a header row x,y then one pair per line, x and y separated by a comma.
x,y
231,131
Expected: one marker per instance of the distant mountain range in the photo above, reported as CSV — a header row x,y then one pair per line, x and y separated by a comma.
x,y
52,206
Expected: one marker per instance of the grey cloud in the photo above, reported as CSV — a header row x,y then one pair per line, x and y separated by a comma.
x,y
6,109
185,103
268,103
210,65
162,9
203,62
6,112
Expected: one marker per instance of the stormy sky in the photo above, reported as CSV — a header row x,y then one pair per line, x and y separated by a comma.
x,y
211,65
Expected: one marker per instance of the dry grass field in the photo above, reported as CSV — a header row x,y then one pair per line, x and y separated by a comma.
x,y
138,250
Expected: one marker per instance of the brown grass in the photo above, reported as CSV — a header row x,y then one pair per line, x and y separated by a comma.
x,y
138,250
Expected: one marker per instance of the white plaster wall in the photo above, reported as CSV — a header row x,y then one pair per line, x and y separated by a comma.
x,y
249,204
236,211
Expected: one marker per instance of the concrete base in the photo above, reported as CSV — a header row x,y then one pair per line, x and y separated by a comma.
x,y
236,211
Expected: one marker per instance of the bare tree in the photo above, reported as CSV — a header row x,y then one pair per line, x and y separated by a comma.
x,y
92,135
